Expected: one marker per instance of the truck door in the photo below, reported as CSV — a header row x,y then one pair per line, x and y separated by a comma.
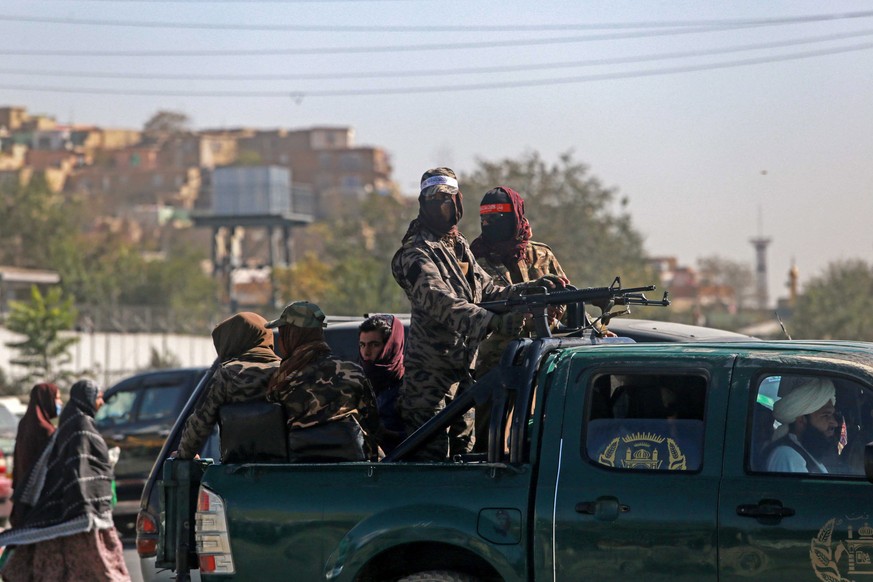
x,y
795,504
636,491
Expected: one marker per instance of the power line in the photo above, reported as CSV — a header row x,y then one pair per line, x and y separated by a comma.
x,y
300,95
432,72
437,27
361,49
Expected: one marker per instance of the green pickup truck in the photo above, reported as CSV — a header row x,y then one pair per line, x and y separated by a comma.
x,y
607,461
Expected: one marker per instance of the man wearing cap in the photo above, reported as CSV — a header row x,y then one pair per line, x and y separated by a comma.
x,y
807,433
437,270
315,387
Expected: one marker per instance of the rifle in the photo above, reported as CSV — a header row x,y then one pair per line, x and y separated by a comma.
x,y
536,301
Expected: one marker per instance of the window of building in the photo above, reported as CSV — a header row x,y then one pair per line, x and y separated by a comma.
x,y
646,422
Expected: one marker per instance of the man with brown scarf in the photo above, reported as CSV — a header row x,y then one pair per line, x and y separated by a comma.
x,y
443,282
317,388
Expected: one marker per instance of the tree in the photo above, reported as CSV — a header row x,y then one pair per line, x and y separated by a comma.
x,y
43,351
36,224
164,123
719,272
346,265
838,304
585,223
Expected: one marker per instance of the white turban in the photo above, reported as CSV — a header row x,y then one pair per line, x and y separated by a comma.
x,y
804,397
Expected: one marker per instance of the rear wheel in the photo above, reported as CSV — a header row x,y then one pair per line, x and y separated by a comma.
x,y
439,576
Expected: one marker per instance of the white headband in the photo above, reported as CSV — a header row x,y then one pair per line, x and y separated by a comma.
x,y
437,180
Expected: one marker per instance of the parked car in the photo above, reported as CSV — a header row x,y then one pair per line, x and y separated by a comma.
x,y
137,416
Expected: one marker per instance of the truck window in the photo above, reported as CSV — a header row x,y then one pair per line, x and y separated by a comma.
x,y
809,425
646,422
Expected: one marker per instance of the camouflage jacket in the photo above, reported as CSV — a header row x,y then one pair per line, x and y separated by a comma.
x,y
446,325
539,260
330,389
234,381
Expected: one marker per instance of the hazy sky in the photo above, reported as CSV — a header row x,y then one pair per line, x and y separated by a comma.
x,y
706,115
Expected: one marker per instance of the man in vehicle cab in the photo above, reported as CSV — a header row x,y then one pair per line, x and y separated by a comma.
x,y
806,437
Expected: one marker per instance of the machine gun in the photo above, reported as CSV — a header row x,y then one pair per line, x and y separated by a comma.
x,y
536,301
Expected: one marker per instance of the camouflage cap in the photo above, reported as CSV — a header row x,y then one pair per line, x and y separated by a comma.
x,y
301,314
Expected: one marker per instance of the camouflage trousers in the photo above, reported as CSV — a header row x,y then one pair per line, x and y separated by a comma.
x,y
425,392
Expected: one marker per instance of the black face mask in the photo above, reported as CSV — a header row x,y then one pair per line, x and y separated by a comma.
x,y
499,227
432,213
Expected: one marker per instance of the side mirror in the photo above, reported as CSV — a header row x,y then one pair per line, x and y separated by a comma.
x,y
868,461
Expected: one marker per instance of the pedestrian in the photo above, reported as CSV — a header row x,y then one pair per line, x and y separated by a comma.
x,y
443,281
244,346
381,342
34,431
318,389
69,533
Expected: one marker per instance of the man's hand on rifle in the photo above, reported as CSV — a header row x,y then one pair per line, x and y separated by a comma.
x,y
551,282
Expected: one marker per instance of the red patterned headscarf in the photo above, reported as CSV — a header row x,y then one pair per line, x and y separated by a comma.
x,y
503,200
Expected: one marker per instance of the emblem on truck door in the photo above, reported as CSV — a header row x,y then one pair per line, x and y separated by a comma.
x,y
854,554
643,450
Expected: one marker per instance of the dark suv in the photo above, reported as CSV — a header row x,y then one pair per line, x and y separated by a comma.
x,y
137,416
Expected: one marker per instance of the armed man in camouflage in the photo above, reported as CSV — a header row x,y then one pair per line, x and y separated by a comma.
x,y
504,251
317,388
443,282
245,349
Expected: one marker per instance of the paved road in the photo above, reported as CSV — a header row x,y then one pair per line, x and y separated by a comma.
x,y
131,558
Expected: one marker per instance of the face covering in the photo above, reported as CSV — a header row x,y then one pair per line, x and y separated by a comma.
x,y
498,227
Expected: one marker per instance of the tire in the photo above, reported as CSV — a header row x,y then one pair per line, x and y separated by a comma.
x,y
438,576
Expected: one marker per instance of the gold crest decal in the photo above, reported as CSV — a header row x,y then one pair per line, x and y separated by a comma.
x,y
643,450
856,551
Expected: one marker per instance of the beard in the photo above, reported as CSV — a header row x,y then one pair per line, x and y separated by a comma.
x,y
822,447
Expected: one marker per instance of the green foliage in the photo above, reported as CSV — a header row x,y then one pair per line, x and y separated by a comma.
x,y
350,271
838,304
162,360
7,386
36,224
43,351
165,122
586,224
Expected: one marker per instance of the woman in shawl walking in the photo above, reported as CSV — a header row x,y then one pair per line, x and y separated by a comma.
x,y
245,349
34,431
68,534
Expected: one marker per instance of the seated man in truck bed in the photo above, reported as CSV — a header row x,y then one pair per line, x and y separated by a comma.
x,y
245,348
329,403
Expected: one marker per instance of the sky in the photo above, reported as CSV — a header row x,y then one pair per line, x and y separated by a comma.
x,y
718,121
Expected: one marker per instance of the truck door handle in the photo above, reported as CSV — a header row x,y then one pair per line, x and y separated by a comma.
x,y
604,508
771,509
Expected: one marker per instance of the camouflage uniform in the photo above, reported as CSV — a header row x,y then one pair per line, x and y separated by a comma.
x,y
234,381
539,260
330,389
442,283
